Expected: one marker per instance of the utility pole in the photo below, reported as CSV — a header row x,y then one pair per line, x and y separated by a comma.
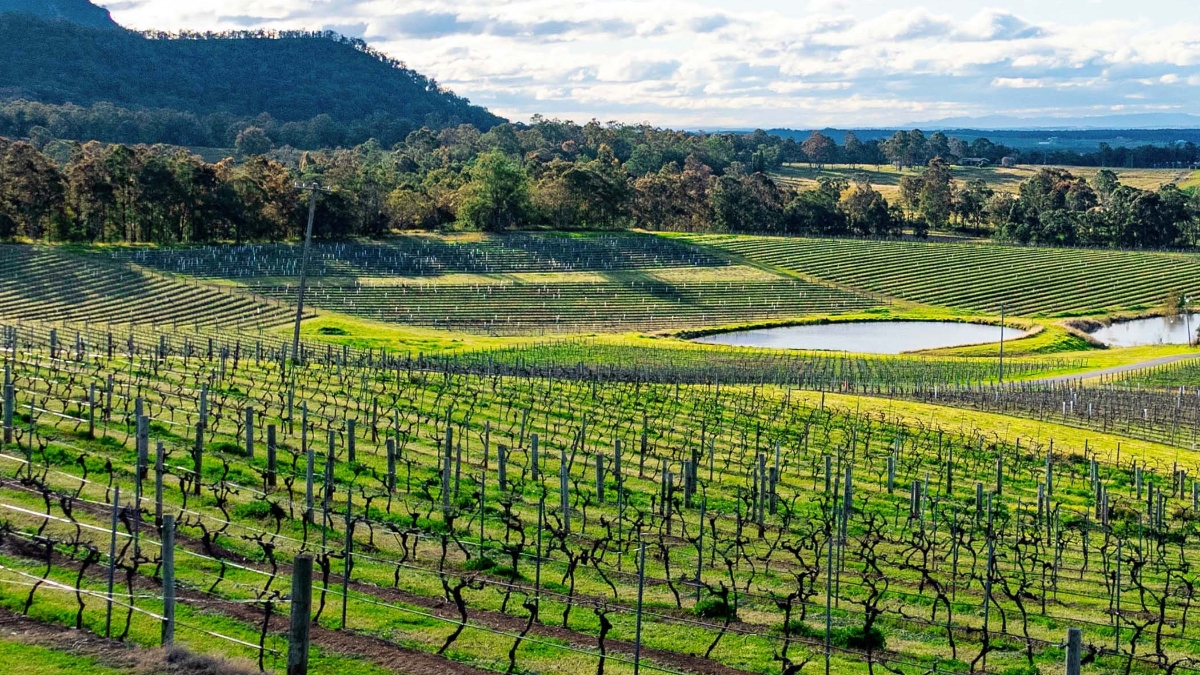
x,y
313,189
1001,343
1187,317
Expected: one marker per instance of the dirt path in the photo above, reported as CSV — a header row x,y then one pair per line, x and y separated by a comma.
x,y
1116,370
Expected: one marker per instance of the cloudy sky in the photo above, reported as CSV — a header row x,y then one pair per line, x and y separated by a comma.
x,y
760,63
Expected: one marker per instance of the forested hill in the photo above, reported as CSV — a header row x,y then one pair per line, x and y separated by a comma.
x,y
76,11
339,85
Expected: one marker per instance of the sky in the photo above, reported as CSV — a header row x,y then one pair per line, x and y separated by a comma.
x,y
711,64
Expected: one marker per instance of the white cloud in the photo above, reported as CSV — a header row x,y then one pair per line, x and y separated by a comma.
x,y
1017,83
753,62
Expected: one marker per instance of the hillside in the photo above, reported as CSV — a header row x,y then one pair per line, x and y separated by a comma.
x,y
292,77
81,12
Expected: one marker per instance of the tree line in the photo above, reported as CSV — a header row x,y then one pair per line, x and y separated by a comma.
x,y
548,174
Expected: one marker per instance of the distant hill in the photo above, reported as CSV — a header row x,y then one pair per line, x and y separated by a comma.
x,y
290,77
1127,121
81,12
1028,140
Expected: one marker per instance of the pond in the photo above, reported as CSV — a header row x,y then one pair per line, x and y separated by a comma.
x,y
869,337
1159,330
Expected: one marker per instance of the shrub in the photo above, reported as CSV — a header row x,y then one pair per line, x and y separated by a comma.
x,y
714,608
857,638
480,564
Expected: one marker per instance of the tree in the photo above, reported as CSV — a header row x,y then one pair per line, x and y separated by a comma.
x,y
497,198
910,193
906,149
939,146
253,141
816,211
644,160
866,210
935,202
746,203
970,201
854,149
820,149
1106,182
31,191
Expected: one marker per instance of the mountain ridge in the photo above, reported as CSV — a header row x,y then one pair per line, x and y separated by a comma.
x,y
349,89
81,12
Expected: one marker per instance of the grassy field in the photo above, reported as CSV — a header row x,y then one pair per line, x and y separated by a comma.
x,y
1190,181
886,179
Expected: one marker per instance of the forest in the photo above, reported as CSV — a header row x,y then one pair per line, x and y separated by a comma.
x,y
201,88
558,175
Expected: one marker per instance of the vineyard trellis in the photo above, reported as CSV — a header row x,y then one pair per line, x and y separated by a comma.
x,y
794,518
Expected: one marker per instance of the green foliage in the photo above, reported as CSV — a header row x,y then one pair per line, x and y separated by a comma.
x,y
227,448
79,12
714,608
857,638
321,89
497,197
480,564
258,509
852,637
332,330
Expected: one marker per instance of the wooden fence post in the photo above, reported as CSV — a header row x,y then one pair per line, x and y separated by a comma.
x,y
599,479
391,465
564,492
272,458
91,410
447,457
502,465
298,635
168,579
9,403
159,468
112,560
534,467
347,554
1074,650
637,644
249,432
198,456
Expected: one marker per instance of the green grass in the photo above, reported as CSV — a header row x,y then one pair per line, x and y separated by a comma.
x,y
27,659
1183,374
1191,181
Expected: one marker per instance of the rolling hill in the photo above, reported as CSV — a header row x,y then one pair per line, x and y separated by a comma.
x,y
65,52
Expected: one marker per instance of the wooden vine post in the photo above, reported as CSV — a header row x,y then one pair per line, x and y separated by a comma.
x,y
298,634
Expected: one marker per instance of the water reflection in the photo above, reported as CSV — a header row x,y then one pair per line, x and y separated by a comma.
x,y
1159,330
872,337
